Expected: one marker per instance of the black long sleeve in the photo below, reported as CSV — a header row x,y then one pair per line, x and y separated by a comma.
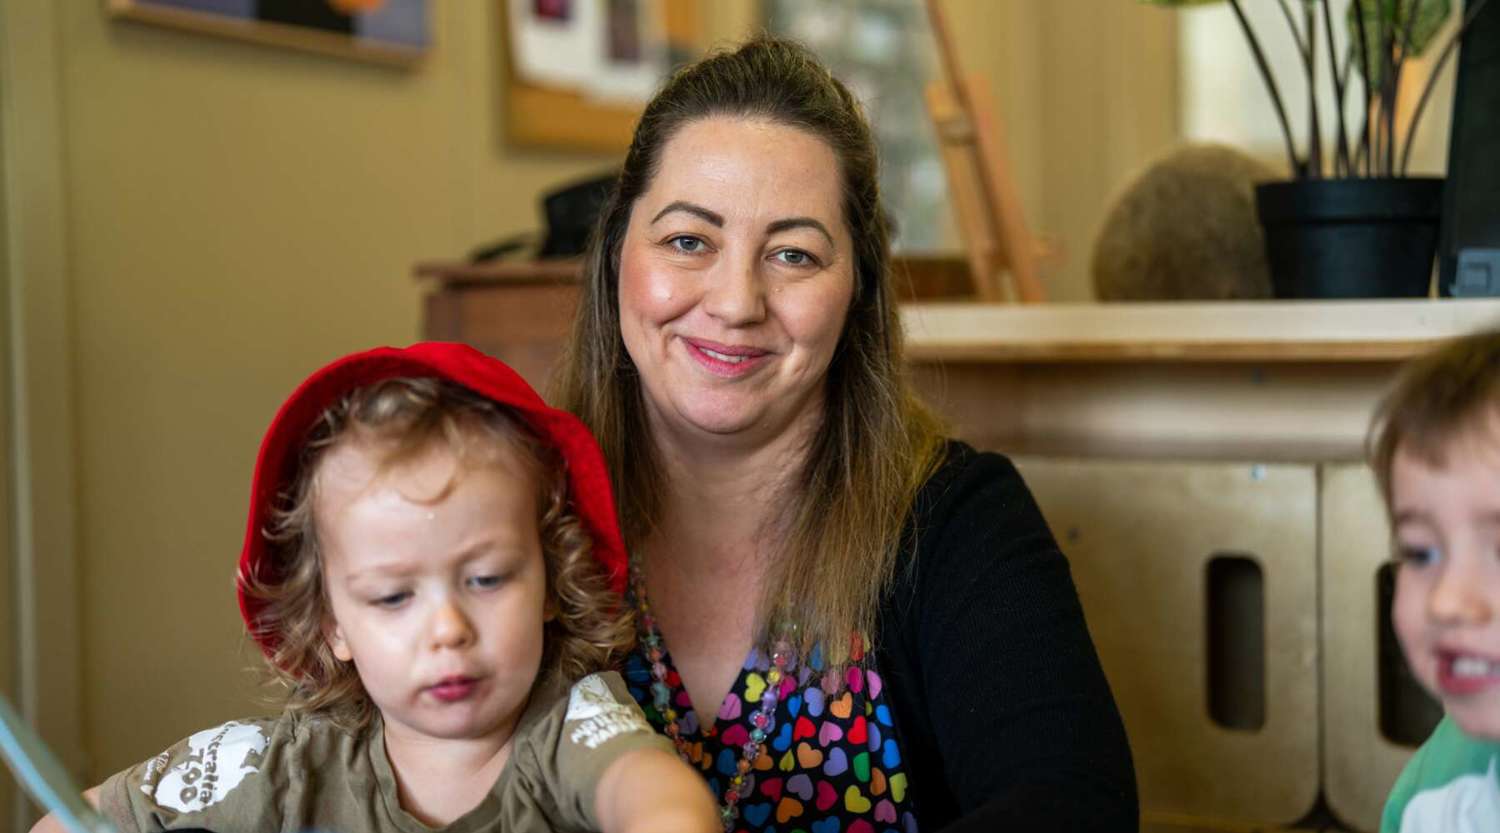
x,y
1001,704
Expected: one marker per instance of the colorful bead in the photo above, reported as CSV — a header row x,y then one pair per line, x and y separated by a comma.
x,y
763,719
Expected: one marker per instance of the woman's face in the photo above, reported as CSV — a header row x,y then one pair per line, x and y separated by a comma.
x,y
736,274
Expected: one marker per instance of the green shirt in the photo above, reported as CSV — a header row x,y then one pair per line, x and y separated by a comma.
x,y
1452,785
301,773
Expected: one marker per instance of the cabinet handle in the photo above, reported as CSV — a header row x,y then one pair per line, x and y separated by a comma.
x,y
1236,618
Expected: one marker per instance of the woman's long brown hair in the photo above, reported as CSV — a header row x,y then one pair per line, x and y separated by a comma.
x,y
841,522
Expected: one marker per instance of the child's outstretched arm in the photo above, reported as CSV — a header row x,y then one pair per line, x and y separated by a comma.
x,y
650,790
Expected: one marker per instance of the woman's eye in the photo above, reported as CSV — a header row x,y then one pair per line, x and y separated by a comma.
x,y
687,244
1417,556
794,257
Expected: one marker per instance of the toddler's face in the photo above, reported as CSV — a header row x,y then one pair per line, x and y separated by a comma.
x,y
1447,606
437,587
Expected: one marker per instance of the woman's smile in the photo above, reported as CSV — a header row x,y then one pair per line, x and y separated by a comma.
x,y
725,360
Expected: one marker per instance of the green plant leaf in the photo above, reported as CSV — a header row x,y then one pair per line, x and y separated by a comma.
x,y
1431,14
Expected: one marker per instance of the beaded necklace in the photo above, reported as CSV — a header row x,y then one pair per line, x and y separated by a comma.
x,y
762,721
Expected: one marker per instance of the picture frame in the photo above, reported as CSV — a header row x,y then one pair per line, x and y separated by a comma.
x,y
560,113
389,32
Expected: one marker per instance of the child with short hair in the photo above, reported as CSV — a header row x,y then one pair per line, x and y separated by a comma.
x,y
432,569
1436,454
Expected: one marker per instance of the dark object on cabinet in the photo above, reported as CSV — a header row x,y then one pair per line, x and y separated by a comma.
x,y
571,212
1469,254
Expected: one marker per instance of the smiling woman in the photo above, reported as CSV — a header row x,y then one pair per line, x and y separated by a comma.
x,y
736,275
847,623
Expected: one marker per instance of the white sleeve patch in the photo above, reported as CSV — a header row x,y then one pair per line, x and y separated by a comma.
x,y
1469,804
217,761
599,716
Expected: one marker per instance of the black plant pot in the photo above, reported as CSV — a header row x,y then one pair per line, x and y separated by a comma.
x,y
1351,238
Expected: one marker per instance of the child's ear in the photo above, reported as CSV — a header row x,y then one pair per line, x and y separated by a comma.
x,y
549,609
334,636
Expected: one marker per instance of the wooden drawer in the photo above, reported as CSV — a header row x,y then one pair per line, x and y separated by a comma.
x,y
1359,763
1140,537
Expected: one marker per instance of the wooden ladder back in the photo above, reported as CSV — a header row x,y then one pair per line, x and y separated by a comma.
x,y
984,195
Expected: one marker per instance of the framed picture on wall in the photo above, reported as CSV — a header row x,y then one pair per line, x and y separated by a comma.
x,y
578,72
391,32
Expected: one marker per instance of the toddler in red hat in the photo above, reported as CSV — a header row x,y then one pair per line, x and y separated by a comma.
x,y
432,568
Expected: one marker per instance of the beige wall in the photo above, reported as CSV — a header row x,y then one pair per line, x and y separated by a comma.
x,y
1087,92
239,215
235,215
7,464
42,627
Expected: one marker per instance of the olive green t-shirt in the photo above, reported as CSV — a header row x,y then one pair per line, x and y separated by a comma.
x,y
304,773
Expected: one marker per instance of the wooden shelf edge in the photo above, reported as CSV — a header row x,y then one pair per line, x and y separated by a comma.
x,y
1248,352
1339,331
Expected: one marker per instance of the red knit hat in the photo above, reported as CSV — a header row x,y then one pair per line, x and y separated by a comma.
x,y
588,479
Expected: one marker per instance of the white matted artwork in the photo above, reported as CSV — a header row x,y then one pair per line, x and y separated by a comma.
x,y
579,72
605,50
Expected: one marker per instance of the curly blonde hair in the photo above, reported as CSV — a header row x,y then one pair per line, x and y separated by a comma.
x,y
404,417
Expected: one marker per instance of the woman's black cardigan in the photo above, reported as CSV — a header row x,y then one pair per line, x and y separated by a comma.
x,y
1005,718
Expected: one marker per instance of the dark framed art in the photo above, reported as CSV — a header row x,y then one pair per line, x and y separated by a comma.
x,y
394,32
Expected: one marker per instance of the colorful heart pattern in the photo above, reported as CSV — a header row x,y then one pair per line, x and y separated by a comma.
x,y
830,764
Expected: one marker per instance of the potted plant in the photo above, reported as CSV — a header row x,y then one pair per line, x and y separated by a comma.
x,y
1351,223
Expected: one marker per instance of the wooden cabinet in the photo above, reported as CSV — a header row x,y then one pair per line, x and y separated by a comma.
x,y
1359,761
1303,628
1163,441
1200,464
1143,539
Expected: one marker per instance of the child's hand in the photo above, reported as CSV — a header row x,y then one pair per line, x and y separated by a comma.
x,y
651,791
